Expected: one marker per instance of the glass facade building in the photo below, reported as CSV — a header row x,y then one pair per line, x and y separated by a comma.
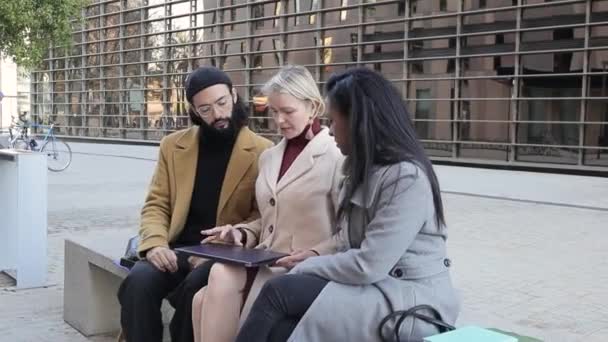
x,y
520,82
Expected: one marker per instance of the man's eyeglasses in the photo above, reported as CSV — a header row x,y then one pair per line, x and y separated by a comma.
x,y
222,104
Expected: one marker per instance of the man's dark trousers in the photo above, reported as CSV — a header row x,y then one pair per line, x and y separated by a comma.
x,y
141,295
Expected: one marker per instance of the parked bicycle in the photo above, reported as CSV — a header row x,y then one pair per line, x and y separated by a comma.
x,y
58,152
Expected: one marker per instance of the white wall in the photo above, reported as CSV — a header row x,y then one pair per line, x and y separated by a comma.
x,y
8,86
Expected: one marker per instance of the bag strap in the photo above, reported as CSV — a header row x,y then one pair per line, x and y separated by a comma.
x,y
413,312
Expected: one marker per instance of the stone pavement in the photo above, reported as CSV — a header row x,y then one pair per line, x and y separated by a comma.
x,y
535,268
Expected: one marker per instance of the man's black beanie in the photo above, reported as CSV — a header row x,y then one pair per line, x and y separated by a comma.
x,y
205,77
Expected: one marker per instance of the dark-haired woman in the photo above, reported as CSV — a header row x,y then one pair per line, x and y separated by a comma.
x,y
390,253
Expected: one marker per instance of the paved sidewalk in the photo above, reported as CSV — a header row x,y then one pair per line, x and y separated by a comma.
x,y
537,269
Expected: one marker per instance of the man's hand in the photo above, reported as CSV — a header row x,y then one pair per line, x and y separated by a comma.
x,y
225,234
295,258
163,259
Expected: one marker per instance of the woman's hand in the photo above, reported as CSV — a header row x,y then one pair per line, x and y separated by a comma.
x,y
295,258
227,234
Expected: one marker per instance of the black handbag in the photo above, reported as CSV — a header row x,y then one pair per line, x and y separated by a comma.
x,y
131,256
413,312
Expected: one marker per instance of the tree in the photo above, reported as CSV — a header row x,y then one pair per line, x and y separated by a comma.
x,y
29,27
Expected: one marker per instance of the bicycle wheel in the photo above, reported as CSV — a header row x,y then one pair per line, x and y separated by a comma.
x,y
59,155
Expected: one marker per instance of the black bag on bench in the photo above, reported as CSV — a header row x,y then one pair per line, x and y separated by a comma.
x,y
131,256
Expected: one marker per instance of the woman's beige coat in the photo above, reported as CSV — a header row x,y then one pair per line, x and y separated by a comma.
x,y
297,212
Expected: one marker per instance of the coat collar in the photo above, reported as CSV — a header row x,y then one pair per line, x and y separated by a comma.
x,y
302,164
243,156
185,158
185,163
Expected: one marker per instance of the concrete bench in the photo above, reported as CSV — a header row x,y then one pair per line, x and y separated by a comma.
x,y
92,278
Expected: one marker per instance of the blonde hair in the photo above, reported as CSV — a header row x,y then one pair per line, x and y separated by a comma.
x,y
297,81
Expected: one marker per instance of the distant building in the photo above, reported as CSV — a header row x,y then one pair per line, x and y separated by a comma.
x,y
486,81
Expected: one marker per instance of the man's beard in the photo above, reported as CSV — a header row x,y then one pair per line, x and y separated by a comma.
x,y
221,129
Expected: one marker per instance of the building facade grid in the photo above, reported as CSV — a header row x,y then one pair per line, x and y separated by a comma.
x,y
494,81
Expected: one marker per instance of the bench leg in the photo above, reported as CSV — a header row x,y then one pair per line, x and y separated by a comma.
x,y
90,304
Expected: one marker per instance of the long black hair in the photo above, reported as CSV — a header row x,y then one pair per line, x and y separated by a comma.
x,y
381,130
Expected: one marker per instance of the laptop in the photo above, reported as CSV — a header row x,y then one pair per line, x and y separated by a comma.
x,y
247,257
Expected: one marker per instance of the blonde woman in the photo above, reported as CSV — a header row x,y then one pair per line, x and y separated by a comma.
x,y
297,195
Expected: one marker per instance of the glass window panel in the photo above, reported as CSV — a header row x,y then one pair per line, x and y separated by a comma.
x,y
598,59
111,20
561,62
484,151
178,8
554,15
423,7
479,4
180,23
263,75
347,16
440,89
432,68
596,135
563,38
92,48
298,6
76,38
433,27
432,48
547,134
154,55
112,96
486,22
132,44
92,11
597,111
437,149
92,73
484,131
488,44
488,66
433,130
372,12
132,57
153,68
302,40
59,64
111,59
482,109
599,5
112,73
155,41
549,110
75,86
547,86
133,70
112,7
132,16
155,26
427,108
228,59
154,13
204,62
486,88
132,30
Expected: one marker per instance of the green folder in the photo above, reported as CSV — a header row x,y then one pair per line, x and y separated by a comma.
x,y
471,334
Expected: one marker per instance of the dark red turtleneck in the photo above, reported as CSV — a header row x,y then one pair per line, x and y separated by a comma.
x,y
296,145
